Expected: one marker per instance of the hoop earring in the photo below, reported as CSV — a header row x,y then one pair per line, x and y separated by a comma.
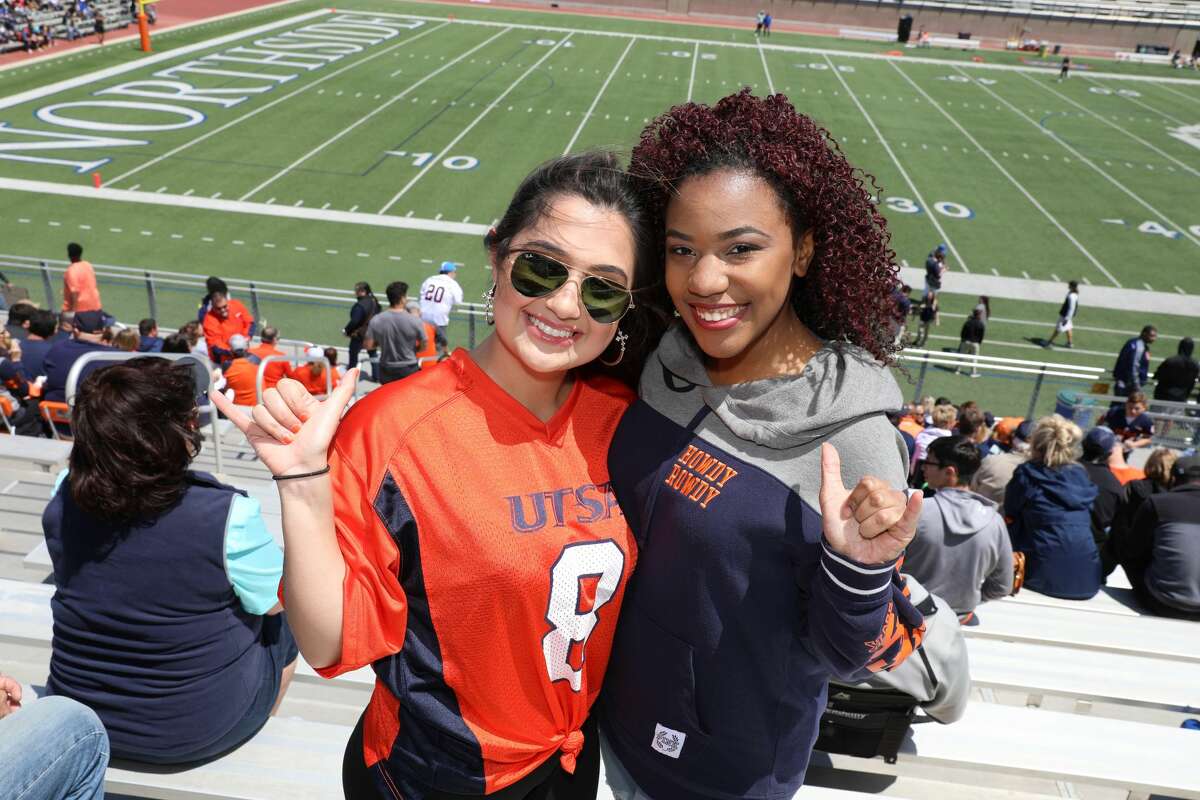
x,y
489,312
622,338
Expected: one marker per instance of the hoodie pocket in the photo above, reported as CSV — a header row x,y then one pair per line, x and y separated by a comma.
x,y
661,691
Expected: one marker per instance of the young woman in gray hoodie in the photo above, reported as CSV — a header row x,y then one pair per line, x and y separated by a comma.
x,y
756,582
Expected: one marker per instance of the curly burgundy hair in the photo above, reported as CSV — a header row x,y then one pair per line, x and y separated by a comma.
x,y
847,293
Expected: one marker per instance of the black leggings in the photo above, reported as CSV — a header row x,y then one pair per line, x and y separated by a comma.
x,y
548,782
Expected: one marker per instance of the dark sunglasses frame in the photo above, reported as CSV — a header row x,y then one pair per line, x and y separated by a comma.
x,y
583,292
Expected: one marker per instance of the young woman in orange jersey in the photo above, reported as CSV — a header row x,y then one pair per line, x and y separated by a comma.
x,y
755,583
457,531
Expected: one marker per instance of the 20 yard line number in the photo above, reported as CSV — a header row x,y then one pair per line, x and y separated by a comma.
x,y
946,208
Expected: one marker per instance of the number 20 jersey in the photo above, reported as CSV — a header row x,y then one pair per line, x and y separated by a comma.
x,y
486,561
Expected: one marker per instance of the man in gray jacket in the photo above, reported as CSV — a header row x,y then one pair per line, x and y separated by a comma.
x,y
961,551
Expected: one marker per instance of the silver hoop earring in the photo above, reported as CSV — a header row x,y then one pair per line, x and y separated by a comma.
x,y
489,311
622,337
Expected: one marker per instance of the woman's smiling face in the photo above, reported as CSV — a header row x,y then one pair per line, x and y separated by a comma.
x,y
731,256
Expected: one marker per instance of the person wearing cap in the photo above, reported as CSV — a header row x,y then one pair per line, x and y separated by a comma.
x,y
241,374
935,267
80,292
1100,446
997,470
1161,552
439,294
87,337
961,551
312,373
225,317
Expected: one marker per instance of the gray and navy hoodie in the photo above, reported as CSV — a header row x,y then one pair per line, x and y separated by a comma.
x,y
739,613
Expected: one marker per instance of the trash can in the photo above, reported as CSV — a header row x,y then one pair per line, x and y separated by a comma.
x,y
1065,405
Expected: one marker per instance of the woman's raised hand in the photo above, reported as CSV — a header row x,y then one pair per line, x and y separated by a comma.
x,y
290,429
872,524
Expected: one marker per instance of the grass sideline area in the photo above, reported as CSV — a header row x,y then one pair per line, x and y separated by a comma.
x,y
382,163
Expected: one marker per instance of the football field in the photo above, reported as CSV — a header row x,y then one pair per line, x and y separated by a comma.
x,y
312,146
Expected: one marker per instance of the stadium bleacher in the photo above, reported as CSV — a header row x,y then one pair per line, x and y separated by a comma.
x,y
57,20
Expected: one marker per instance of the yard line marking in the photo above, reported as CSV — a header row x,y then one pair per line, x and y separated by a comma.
x,y
189,192
255,112
1055,277
365,118
1136,198
1180,94
1135,101
996,272
903,173
996,163
1181,291
692,79
1123,130
216,195
1026,274
134,188
596,99
261,209
1149,288
766,69
438,158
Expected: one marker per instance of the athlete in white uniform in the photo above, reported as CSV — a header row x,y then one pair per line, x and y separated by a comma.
x,y
439,294
1066,315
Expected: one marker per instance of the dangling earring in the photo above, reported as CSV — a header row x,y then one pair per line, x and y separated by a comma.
x,y
489,298
622,338
675,314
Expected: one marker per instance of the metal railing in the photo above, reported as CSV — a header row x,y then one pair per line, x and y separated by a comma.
x,y
1182,419
203,375
1039,369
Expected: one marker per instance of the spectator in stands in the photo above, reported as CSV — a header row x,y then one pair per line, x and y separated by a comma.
x,y
12,380
910,442
1133,363
970,339
276,370
928,317
1176,377
18,319
126,339
312,373
1161,551
241,374
166,614
1132,425
37,344
66,328
1047,504
80,292
366,306
398,335
943,419
972,425
935,268
1098,447
902,296
5,285
225,317
961,551
87,338
427,354
937,677
997,470
439,294
194,334
53,749
212,285
1066,316
1158,480
149,340
176,343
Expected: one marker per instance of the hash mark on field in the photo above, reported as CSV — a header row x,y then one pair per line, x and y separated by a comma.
x,y
111,230
216,195
437,216
325,206
1055,277
1149,288
85,227
1085,280
363,255
269,245
300,249
297,204
160,190
1026,274
147,233
426,260
207,239
332,252
353,209
1181,291
467,218
409,214
54,224
135,187
996,272
238,242
176,236
394,258
272,200
189,192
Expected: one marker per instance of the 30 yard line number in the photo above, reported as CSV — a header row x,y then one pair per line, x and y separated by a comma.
x,y
946,208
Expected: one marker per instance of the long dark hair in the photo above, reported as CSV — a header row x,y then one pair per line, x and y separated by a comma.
x,y
597,177
135,435
847,294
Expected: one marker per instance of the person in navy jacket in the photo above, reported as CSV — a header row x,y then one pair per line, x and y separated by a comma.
x,y
1132,369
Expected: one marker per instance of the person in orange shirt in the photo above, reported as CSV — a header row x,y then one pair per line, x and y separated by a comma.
x,y
312,374
242,373
225,317
430,350
80,292
276,370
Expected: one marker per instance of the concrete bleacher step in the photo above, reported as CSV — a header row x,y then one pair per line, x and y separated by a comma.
x,y
35,454
1109,600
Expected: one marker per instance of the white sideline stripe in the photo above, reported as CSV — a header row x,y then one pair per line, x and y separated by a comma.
x,y
1022,346
987,154
903,172
692,79
242,207
599,94
785,48
762,55
1146,106
157,58
262,108
438,158
1112,124
371,114
1062,142
1046,323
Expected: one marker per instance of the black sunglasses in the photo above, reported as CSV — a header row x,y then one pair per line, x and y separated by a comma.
x,y
534,274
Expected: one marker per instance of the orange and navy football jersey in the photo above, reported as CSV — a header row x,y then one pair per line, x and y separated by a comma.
x,y
486,561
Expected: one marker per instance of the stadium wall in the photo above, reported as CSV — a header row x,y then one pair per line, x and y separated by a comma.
x,y
848,13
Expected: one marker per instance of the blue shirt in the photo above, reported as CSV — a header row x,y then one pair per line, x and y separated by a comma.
x,y
150,344
33,354
58,362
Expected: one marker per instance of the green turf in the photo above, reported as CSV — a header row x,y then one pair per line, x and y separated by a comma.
x,y
1036,207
